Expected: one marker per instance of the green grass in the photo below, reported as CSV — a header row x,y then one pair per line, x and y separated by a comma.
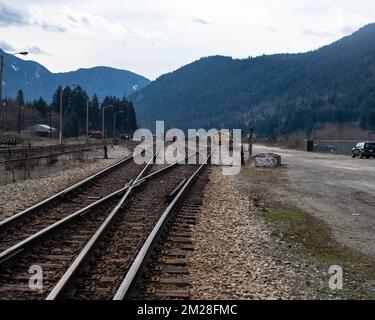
x,y
315,240
284,215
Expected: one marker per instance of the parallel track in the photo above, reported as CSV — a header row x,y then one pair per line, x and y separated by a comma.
x,y
101,275
22,226
93,252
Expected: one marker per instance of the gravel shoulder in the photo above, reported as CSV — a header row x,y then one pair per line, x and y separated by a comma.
x,y
234,254
251,242
15,197
335,188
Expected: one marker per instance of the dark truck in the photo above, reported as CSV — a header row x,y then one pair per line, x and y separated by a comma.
x,y
364,150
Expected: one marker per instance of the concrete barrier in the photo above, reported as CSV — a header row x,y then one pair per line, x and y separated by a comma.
x,y
267,160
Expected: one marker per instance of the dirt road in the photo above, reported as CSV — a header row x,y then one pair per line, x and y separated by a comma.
x,y
336,188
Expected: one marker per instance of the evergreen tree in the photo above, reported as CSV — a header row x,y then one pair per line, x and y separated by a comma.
x,y
20,103
20,99
94,113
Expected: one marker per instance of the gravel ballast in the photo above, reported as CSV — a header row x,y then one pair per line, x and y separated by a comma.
x,y
231,257
15,197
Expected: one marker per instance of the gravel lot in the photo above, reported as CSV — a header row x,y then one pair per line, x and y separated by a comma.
x,y
335,188
15,197
234,256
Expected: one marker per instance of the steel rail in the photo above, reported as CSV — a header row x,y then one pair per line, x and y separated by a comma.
x,y
29,242
147,167
42,234
133,274
18,217
66,282
68,277
6,223
39,236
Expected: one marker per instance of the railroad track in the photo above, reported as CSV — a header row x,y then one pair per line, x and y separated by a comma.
x,y
173,227
73,244
165,275
80,195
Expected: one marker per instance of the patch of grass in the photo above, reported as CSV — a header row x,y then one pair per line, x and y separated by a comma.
x,y
314,240
284,215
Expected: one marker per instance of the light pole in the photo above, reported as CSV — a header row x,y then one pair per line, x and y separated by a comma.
x,y
104,108
87,118
114,122
60,133
127,128
2,59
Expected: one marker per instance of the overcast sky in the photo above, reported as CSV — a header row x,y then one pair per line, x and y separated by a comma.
x,y
152,37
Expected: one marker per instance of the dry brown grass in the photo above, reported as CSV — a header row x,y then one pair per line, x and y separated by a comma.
x,y
334,131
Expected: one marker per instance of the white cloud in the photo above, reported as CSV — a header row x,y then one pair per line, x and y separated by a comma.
x,y
36,50
6,46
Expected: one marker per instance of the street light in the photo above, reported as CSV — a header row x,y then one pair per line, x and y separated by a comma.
x,y
114,122
104,108
127,125
2,59
87,117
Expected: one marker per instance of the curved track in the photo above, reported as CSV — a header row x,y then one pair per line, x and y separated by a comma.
x,y
90,240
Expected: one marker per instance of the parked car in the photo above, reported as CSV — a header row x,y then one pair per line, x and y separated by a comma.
x,y
325,148
364,150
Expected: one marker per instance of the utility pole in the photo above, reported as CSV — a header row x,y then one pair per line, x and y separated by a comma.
x,y
5,115
87,118
127,128
50,123
1,84
19,118
61,114
251,132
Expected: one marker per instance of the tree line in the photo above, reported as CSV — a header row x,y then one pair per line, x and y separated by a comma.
x,y
75,101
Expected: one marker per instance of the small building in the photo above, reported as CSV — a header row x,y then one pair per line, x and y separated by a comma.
x,y
42,130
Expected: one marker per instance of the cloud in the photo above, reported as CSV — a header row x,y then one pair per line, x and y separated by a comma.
x,y
37,50
316,33
52,27
272,29
89,24
37,19
84,21
349,29
201,21
76,19
10,16
6,46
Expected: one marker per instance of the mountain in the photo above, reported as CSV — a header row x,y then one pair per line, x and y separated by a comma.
x,y
277,94
36,81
